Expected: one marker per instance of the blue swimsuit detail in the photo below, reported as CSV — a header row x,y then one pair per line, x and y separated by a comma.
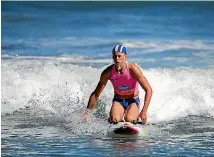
x,y
126,102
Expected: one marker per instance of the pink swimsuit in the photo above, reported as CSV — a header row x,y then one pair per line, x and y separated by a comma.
x,y
124,84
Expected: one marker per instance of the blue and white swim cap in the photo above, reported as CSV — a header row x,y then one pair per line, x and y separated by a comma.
x,y
119,48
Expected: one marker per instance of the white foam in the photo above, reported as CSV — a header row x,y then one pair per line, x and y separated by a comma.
x,y
166,45
200,54
180,92
67,58
177,59
62,88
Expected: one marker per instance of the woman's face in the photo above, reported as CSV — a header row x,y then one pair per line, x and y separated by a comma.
x,y
119,57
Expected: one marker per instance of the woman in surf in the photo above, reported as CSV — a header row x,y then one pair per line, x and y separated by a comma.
x,y
125,78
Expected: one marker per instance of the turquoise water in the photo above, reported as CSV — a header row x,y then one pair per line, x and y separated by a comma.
x,y
52,54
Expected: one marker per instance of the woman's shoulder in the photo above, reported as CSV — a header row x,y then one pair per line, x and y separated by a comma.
x,y
108,69
134,68
132,65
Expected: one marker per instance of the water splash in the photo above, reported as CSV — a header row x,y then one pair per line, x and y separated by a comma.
x,y
62,88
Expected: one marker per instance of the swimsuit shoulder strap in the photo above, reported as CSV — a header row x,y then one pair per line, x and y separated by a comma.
x,y
127,72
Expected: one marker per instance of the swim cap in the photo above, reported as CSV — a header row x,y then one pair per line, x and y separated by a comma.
x,y
119,48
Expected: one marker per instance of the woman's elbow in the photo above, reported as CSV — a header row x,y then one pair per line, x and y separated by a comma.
x,y
149,90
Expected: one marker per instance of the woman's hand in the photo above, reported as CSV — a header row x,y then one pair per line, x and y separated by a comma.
x,y
143,117
85,116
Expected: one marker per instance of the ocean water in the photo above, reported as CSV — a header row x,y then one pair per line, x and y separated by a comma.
x,y
52,54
